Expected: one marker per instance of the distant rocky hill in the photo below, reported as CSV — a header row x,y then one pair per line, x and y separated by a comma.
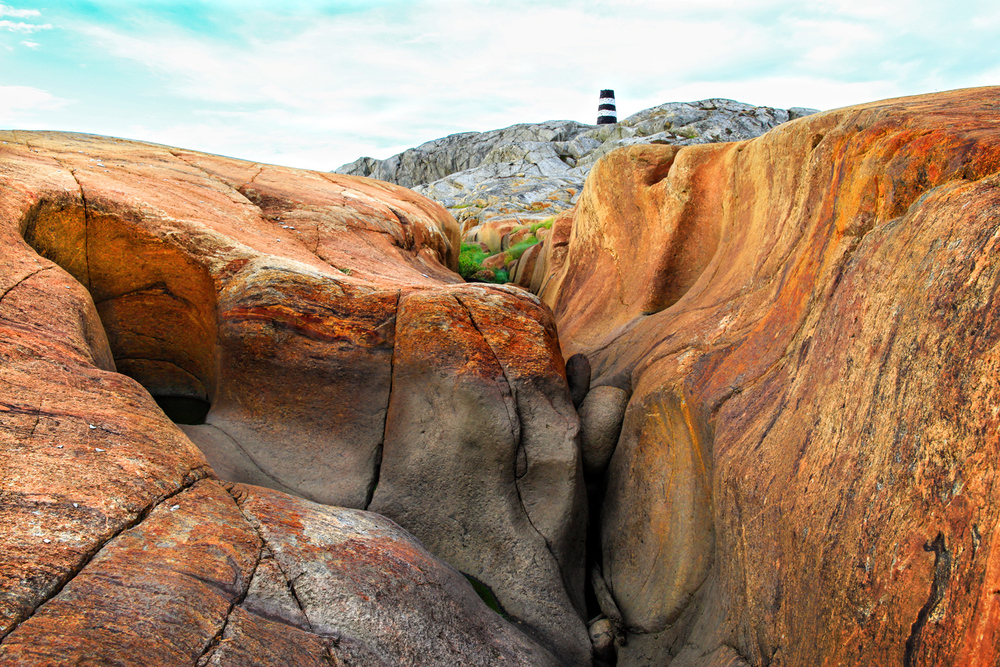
x,y
534,170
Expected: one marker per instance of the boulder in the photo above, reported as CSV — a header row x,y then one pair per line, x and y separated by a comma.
x,y
246,575
137,276
602,637
471,481
601,415
807,325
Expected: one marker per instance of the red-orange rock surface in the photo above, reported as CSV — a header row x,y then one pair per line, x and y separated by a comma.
x,y
272,296
809,327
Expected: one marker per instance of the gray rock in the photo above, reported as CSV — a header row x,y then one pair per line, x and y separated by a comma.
x,y
601,417
800,112
481,457
457,152
361,580
489,191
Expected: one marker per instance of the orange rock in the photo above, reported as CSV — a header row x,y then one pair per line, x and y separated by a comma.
x,y
269,297
497,261
179,571
807,325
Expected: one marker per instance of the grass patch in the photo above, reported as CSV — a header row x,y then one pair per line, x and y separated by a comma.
x,y
516,250
547,224
470,259
471,256
487,596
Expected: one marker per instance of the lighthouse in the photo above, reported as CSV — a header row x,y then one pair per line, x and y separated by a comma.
x,y
606,112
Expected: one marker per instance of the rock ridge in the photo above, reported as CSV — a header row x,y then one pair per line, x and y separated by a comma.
x,y
805,323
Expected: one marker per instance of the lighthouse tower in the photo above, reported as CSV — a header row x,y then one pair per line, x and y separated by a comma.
x,y
606,113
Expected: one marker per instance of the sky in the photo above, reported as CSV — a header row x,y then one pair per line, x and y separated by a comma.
x,y
318,84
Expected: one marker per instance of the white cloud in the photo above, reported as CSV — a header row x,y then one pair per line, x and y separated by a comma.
x,y
30,45
391,76
6,10
21,26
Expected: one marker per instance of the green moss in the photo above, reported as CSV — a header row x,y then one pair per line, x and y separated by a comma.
x,y
486,595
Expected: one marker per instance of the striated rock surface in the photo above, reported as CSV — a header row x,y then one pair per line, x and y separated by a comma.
x,y
436,159
808,329
534,171
274,312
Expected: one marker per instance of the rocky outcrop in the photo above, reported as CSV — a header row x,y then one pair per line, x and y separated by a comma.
x,y
436,159
290,312
806,324
535,171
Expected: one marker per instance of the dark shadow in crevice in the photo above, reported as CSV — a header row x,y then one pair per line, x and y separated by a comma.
x,y
184,409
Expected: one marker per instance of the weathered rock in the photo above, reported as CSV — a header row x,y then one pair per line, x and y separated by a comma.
x,y
808,327
457,152
156,594
493,191
354,575
497,261
601,415
271,296
493,234
471,481
602,638
525,268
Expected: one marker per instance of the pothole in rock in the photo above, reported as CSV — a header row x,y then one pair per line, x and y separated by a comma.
x,y
156,305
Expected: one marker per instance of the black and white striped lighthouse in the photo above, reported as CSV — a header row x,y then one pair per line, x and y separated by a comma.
x,y
606,112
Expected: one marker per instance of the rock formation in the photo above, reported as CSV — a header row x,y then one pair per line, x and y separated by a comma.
x,y
533,171
313,323
807,325
788,434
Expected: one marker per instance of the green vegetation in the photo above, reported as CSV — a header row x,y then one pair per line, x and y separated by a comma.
x,y
547,224
472,255
470,259
516,250
484,592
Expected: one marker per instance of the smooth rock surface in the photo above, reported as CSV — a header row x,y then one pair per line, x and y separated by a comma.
x,y
354,574
808,326
601,415
269,296
473,482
